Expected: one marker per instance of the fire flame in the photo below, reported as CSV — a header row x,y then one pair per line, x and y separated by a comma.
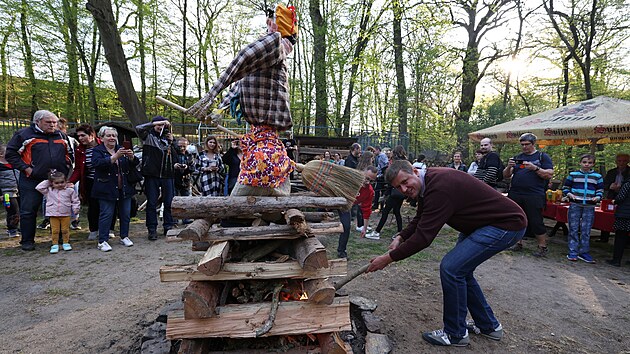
x,y
304,296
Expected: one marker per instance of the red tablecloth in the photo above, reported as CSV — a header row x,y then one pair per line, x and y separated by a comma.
x,y
604,220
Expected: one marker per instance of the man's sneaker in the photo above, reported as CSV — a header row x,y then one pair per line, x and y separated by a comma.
x,y
13,233
74,225
44,225
66,247
516,248
440,338
541,252
126,241
54,249
494,334
572,257
93,236
152,235
105,247
586,258
360,229
373,235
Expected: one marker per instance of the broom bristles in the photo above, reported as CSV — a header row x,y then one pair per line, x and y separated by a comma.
x,y
330,180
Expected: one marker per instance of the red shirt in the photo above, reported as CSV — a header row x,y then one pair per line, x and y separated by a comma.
x,y
364,200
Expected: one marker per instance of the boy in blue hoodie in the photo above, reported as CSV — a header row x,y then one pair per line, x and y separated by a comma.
x,y
584,188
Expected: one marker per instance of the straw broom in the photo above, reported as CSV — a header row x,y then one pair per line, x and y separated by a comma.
x,y
321,177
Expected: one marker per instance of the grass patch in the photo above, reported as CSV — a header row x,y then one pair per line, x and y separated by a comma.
x,y
59,292
51,274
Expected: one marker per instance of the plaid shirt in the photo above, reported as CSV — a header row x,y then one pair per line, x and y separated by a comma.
x,y
262,84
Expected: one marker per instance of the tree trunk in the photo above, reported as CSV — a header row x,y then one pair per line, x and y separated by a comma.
x,y
69,33
4,84
319,64
400,69
104,17
141,52
28,57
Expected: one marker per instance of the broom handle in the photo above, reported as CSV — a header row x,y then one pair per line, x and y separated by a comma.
x,y
345,280
182,109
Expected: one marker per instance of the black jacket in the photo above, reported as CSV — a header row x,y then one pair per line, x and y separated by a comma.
x,y
158,153
106,175
610,178
30,147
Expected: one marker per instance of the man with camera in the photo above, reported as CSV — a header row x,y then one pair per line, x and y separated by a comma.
x,y
530,171
158,168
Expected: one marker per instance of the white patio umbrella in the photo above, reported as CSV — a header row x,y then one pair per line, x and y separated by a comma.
x,y
600,120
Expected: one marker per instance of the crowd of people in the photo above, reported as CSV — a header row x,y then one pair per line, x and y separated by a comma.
x,y
42,167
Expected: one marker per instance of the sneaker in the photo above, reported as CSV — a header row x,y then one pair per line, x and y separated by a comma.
x,y
373,235
105,247
342,255
54,249
66,247
152,235
541,252
518,247
440,338
613,262
126,241
74,225
93,236
44,225
112,234
494,334
586,258
572,257
13,233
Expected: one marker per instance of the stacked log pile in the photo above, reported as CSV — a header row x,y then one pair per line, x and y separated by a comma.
x,y
266,275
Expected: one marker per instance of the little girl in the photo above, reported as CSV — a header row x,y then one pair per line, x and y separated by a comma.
x,y
61,202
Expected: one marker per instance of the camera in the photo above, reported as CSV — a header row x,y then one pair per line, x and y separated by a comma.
x,y
517,160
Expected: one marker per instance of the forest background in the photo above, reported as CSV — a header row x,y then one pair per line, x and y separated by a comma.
x,y
424,72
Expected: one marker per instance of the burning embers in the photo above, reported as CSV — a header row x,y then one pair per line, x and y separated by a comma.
x,y
261,291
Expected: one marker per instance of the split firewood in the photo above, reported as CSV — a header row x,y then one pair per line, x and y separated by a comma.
x,y
280,258
270,232
200,245
272,314
215,257
259,222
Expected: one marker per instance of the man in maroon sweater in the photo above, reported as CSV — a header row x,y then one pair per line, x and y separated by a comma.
x,y
488,223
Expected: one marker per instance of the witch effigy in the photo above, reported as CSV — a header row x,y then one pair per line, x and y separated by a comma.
x,y
260,95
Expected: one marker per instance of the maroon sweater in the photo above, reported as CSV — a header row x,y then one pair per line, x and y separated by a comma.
x,y
463,202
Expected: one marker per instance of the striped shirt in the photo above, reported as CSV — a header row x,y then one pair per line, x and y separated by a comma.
x,y
584,186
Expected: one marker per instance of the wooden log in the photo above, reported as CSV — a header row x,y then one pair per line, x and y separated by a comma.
x,y
331,343
200,299
172,235
262,250
318,216
296,219
222,207
241,321
319,291
214,258
200,245
310,253
271,232
194,346
195,230
256,270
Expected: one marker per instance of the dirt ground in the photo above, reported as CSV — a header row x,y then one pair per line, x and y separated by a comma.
x,y
87,301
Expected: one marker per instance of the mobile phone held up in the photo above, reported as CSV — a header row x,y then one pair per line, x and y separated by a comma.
x,y
127,144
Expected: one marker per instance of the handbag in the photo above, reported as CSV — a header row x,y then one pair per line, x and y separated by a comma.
x,y
134,176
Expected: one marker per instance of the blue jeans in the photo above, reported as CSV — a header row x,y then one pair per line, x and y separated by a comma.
x,y
30,201
581,219
107,208
152,186
460,289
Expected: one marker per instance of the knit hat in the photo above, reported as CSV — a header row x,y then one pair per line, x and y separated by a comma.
x,y
158,119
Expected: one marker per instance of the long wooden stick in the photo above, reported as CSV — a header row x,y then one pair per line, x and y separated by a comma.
x,y
266,327
345,280
182,109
